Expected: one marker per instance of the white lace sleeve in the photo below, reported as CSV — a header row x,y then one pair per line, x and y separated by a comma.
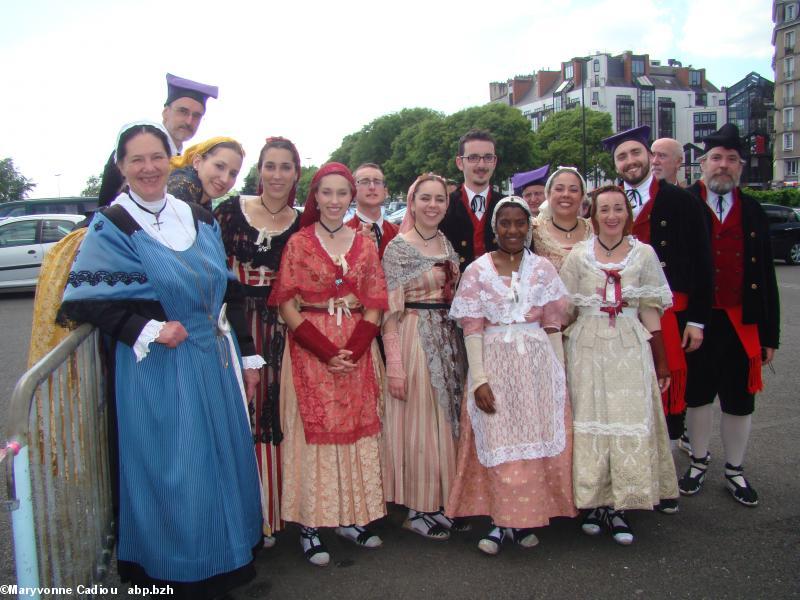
x,y
468,301
148,335
253,362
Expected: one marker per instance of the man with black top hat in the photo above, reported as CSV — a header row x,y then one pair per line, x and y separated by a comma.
x,y
183,111
466,222
529,185
744,329
674,224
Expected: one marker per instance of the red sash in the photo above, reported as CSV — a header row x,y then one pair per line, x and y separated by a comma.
x,y
674,399
478,247
641,226
747,334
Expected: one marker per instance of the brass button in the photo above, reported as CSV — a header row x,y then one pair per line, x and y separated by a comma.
x,y
461,259
663,223
754,287
663,264
737,254
463,243
663,242
717,270
752,234
753,259
718,253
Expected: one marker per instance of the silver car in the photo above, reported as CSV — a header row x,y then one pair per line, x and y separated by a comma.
x,y
23,243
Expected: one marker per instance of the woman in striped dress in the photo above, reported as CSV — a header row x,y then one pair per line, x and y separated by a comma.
x,y
425,363
255,230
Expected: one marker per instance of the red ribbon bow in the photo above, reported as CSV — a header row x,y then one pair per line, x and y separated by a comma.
x,y
613,276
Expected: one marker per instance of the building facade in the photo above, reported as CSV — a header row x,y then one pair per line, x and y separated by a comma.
x,y
785,62
675,101
751,108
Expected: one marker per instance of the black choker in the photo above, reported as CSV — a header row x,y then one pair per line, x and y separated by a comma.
x,y
511,255
277,212
565,230
332,232
606,248
425,239
155,213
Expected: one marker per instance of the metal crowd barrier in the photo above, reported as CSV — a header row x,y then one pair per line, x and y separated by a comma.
x,y
57,468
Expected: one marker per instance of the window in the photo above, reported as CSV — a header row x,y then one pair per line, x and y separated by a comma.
x,y
595,97
705,123
596,66
637,67
788,67
647,99
53,231
694,79
568,71
666,118
624,113
788,93
21,233
788,141
788,41
791,167
790,12
557,102
700,99
788,118
597,80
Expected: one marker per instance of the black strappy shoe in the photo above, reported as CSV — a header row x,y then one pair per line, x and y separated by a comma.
x,y
621,530
317,554
742,492
432,530
491,543
692,481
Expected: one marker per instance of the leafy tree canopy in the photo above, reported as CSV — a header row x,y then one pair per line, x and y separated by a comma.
x,y
92,188
13,185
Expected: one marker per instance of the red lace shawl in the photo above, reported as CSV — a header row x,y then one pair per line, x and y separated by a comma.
x,y
335,409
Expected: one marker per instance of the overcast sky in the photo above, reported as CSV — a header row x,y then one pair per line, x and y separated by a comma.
x,y
74,71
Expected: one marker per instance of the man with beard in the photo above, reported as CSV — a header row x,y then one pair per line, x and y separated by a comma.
x,y
743,331
674,224
465,223
183,111
370,195
667,158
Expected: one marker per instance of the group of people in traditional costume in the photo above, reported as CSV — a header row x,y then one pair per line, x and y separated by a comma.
x,y
501,357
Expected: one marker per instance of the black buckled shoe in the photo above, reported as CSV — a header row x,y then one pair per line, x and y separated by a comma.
x,y
739,487
692,481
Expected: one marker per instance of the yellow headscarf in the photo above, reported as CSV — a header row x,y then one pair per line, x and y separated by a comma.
x,y
186,159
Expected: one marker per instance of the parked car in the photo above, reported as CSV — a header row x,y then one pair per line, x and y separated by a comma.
x,y
23,243
397,216
784,230
75,205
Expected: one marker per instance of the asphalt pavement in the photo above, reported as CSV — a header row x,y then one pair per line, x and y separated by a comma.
x,y
713,548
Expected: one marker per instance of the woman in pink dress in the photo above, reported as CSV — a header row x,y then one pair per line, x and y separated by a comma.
x,y
515,449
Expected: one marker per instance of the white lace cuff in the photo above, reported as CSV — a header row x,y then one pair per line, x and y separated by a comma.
x,y
253,362
698,325
148,335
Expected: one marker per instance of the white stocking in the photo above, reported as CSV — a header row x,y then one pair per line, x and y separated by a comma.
x,y
735,430
698,424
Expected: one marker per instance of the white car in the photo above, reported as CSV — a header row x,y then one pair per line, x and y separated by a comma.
x,y
23,243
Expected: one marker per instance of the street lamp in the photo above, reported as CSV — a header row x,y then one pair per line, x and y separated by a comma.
x,y
583,110
58,183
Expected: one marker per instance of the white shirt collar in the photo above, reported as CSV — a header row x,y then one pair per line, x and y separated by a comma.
x,y
643,187
366,219
471,194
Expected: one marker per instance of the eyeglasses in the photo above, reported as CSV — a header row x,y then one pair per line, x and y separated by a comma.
x,y
367,182
474,159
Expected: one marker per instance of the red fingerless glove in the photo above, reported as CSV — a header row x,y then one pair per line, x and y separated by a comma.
x,y
361,338
312,339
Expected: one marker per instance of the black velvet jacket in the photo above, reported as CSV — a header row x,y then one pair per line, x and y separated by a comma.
x,y
760,302
679,227
457,227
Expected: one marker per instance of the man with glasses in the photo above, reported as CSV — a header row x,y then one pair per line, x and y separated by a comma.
x,y
743,331
183,111
466,223
674,224
371,193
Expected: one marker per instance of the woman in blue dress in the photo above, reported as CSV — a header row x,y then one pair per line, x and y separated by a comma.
x,y
152,274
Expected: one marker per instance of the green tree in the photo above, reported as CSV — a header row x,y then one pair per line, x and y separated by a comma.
x,y
92,188
559,141
13,185
306,175
373,143
250,184
432,145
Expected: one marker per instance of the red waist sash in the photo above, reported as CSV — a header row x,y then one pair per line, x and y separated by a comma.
x,y
674,399
748,335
